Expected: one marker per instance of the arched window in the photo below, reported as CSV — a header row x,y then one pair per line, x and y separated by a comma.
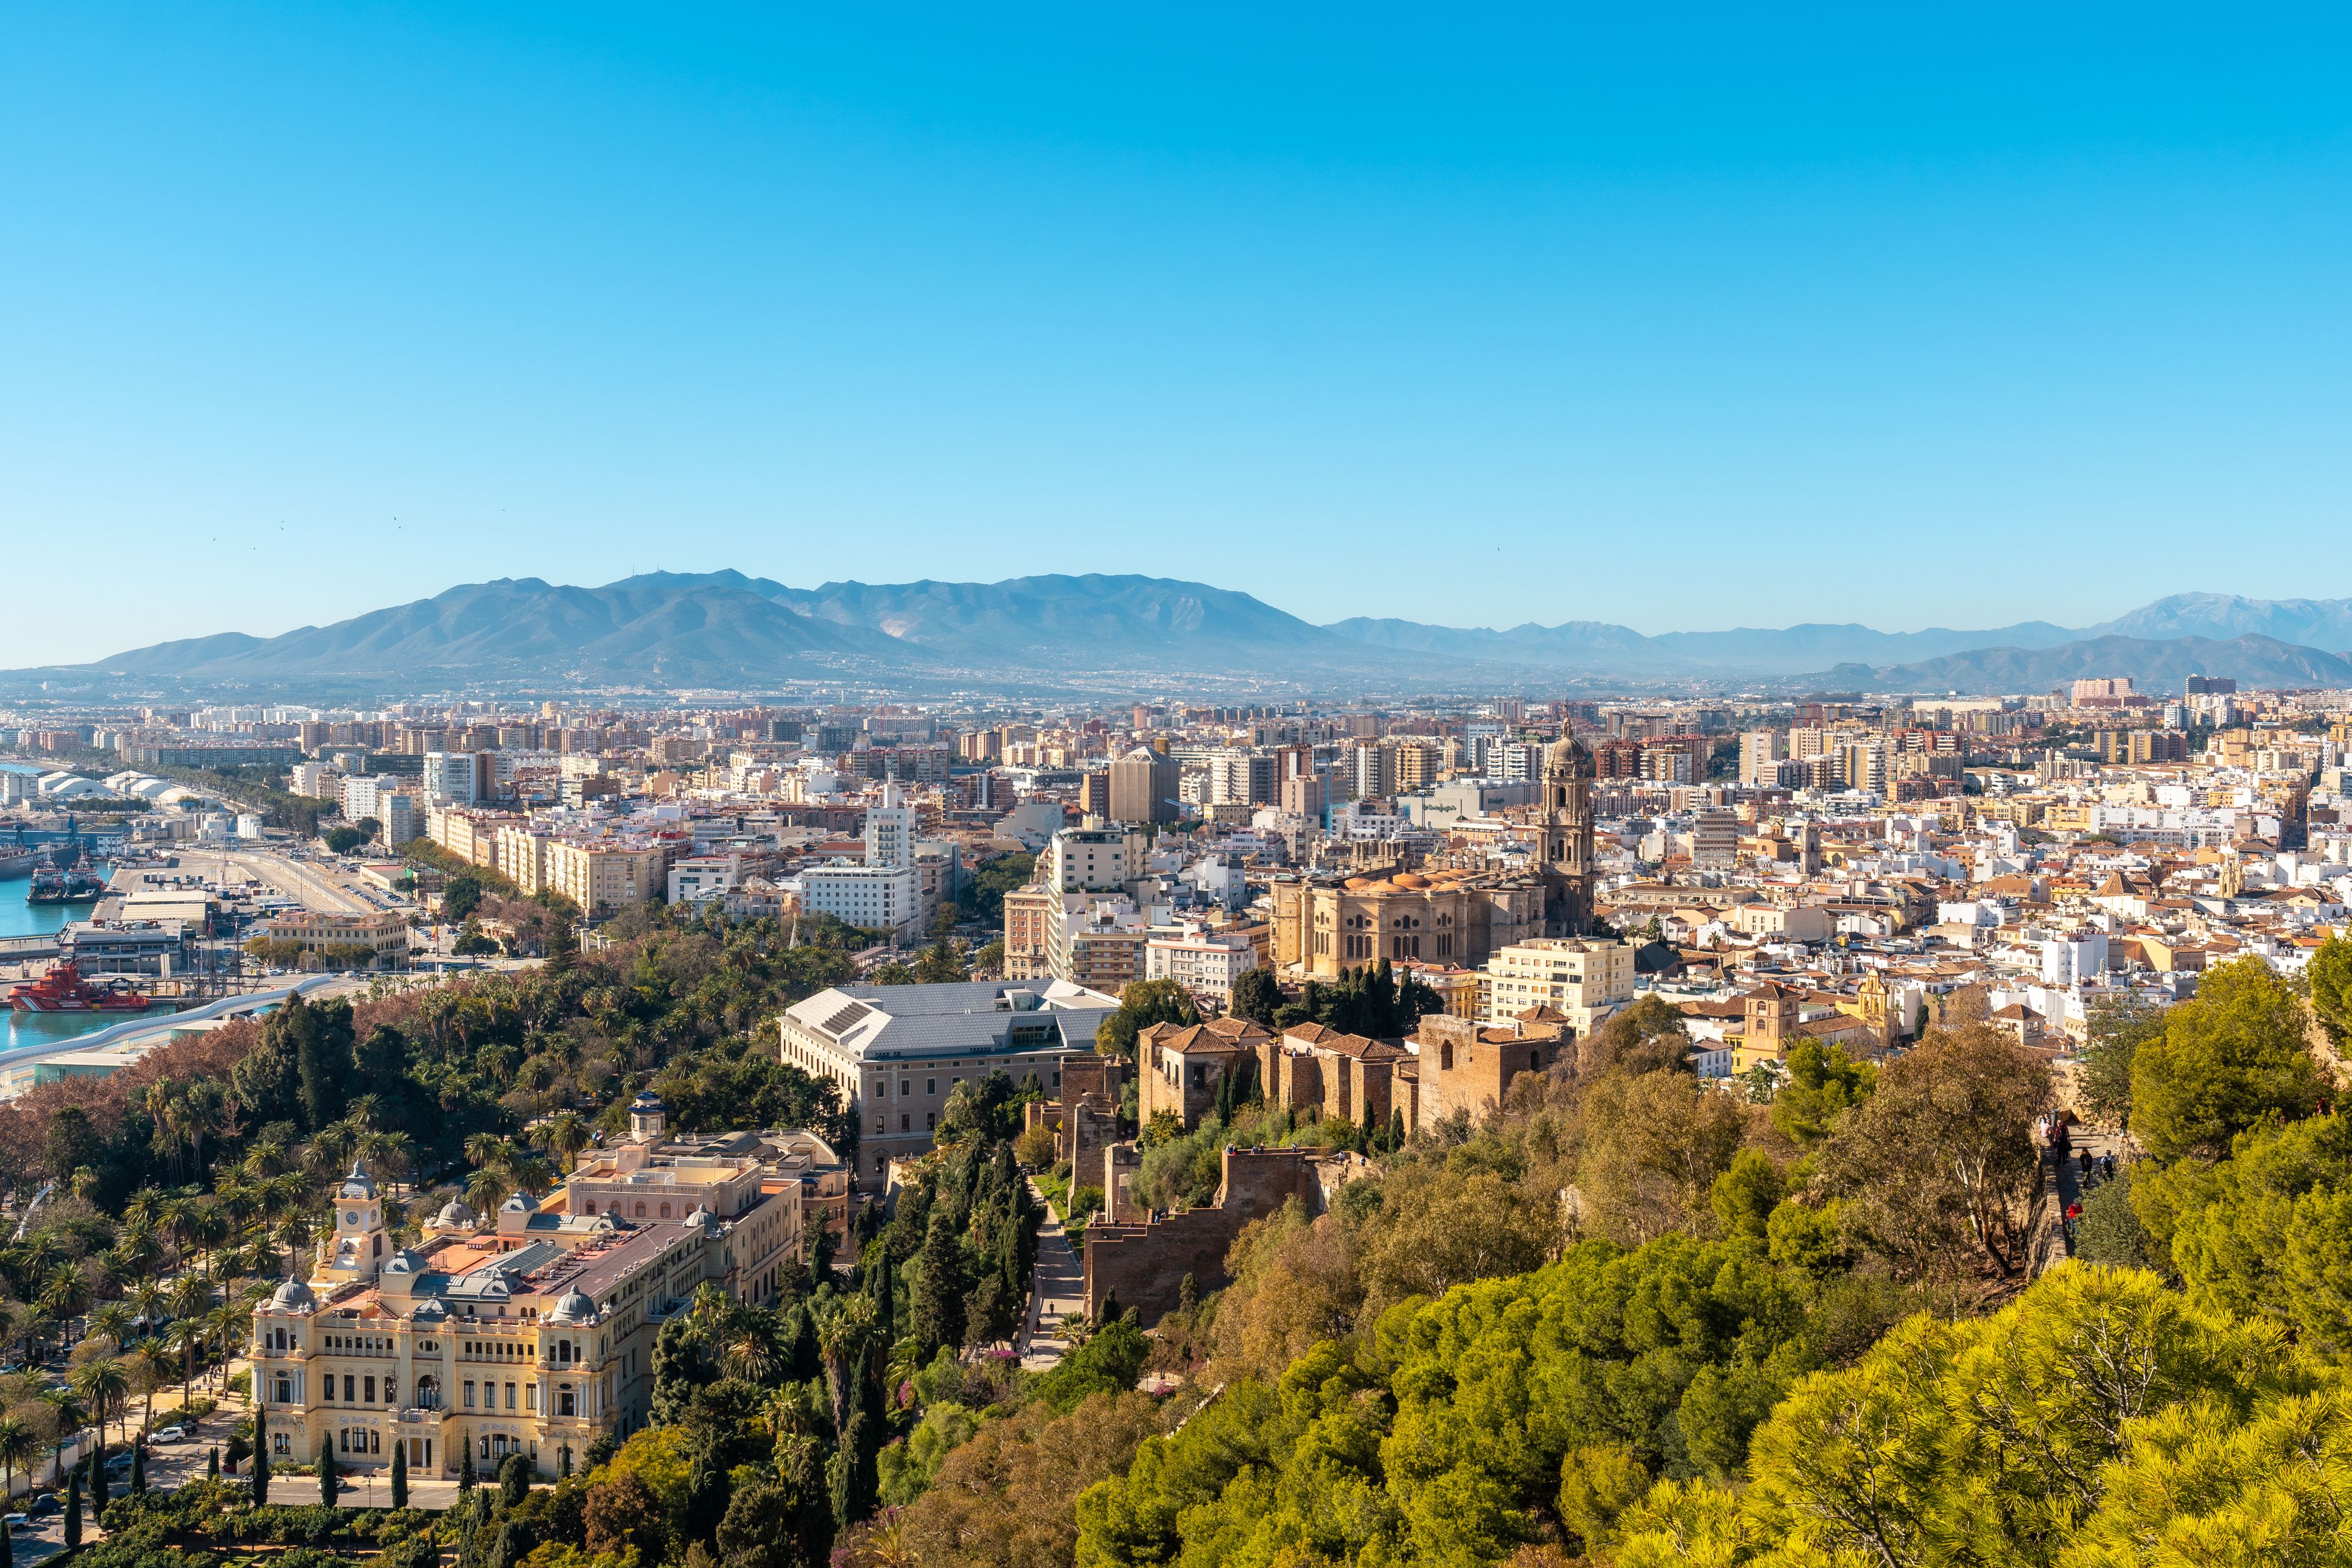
x,y
428,1393
665,1211
590,1207
1445,1057
641,1211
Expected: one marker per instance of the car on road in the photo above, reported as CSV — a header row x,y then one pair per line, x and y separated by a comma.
x,y
45,1505
18,1523
170,1434
119,1464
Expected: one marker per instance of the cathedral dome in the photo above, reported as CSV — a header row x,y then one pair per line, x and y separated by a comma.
x,y
1567,757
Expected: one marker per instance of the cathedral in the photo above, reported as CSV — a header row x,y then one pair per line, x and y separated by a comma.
x,y
1568,837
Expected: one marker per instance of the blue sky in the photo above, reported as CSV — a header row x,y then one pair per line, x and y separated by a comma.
x,y
1682,317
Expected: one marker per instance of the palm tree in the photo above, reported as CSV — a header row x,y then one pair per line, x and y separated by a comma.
x,y
144,1207
487,1189
564,1136
71,1418
191,1296
840,1340
20,1445
183,1339
146,1298
101,1382
113,1320
64,1293
151,1367
224,1325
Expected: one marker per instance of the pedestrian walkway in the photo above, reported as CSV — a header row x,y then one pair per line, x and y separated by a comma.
x,y
1057,1289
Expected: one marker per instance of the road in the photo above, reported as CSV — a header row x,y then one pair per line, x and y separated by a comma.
x,y
1058,1287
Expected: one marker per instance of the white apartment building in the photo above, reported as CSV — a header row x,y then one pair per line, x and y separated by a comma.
x,y
1092,860
701,877
891,831
1204,962
873,898
1584,980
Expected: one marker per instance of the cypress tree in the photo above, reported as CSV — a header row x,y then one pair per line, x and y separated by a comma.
x,y
212,1464
73,1510
138,1468
939,1293
514,1479
885,1291
260,1472
98,1481
326,1470
8,1549
465,1477
399,1474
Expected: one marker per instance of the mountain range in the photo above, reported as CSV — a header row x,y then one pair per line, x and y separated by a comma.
x,y
727,630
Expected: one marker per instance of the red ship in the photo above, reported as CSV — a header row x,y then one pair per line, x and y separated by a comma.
x,y
63,990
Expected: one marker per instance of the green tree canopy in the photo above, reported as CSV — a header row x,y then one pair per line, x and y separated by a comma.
x,y
2229,1060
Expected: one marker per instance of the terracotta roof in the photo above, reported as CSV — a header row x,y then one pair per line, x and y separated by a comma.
x,y
1203,1039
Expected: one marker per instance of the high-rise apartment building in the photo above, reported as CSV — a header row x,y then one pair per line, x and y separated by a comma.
x,y
1143,786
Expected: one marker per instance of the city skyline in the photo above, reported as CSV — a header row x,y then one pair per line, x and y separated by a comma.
x,y
1751,323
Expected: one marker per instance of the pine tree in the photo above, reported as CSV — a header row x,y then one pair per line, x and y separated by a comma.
x,y
73,1510
260,1472
326,1470
399,1474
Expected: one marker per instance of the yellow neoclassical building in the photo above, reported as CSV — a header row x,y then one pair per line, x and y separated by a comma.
x,y
533,1332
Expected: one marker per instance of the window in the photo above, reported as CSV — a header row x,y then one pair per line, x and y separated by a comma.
x,y
931,1086
563,1400
470,1393
371,1391
511,1397
285,1390
641,1211
906,1124
278,1443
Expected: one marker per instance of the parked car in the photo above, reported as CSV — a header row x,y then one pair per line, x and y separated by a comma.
x,y
170,1434
18,1523
45,1505
119,1464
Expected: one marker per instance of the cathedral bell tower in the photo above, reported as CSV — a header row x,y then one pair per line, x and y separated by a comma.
x,y
1568,837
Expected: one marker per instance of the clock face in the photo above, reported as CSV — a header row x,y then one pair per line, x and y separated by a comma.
x,y
350,1220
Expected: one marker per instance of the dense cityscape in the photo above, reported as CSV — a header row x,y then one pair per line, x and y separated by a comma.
x,y
947,1080
1175,787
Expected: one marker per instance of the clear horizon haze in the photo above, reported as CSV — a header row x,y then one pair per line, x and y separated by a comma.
x,y
1681,319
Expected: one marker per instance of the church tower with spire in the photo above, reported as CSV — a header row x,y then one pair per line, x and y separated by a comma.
x,y
1568,836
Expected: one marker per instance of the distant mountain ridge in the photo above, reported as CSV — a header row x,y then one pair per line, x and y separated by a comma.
x,y
725,630
2158,665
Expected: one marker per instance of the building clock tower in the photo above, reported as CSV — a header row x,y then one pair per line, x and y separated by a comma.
x,y
1568,837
